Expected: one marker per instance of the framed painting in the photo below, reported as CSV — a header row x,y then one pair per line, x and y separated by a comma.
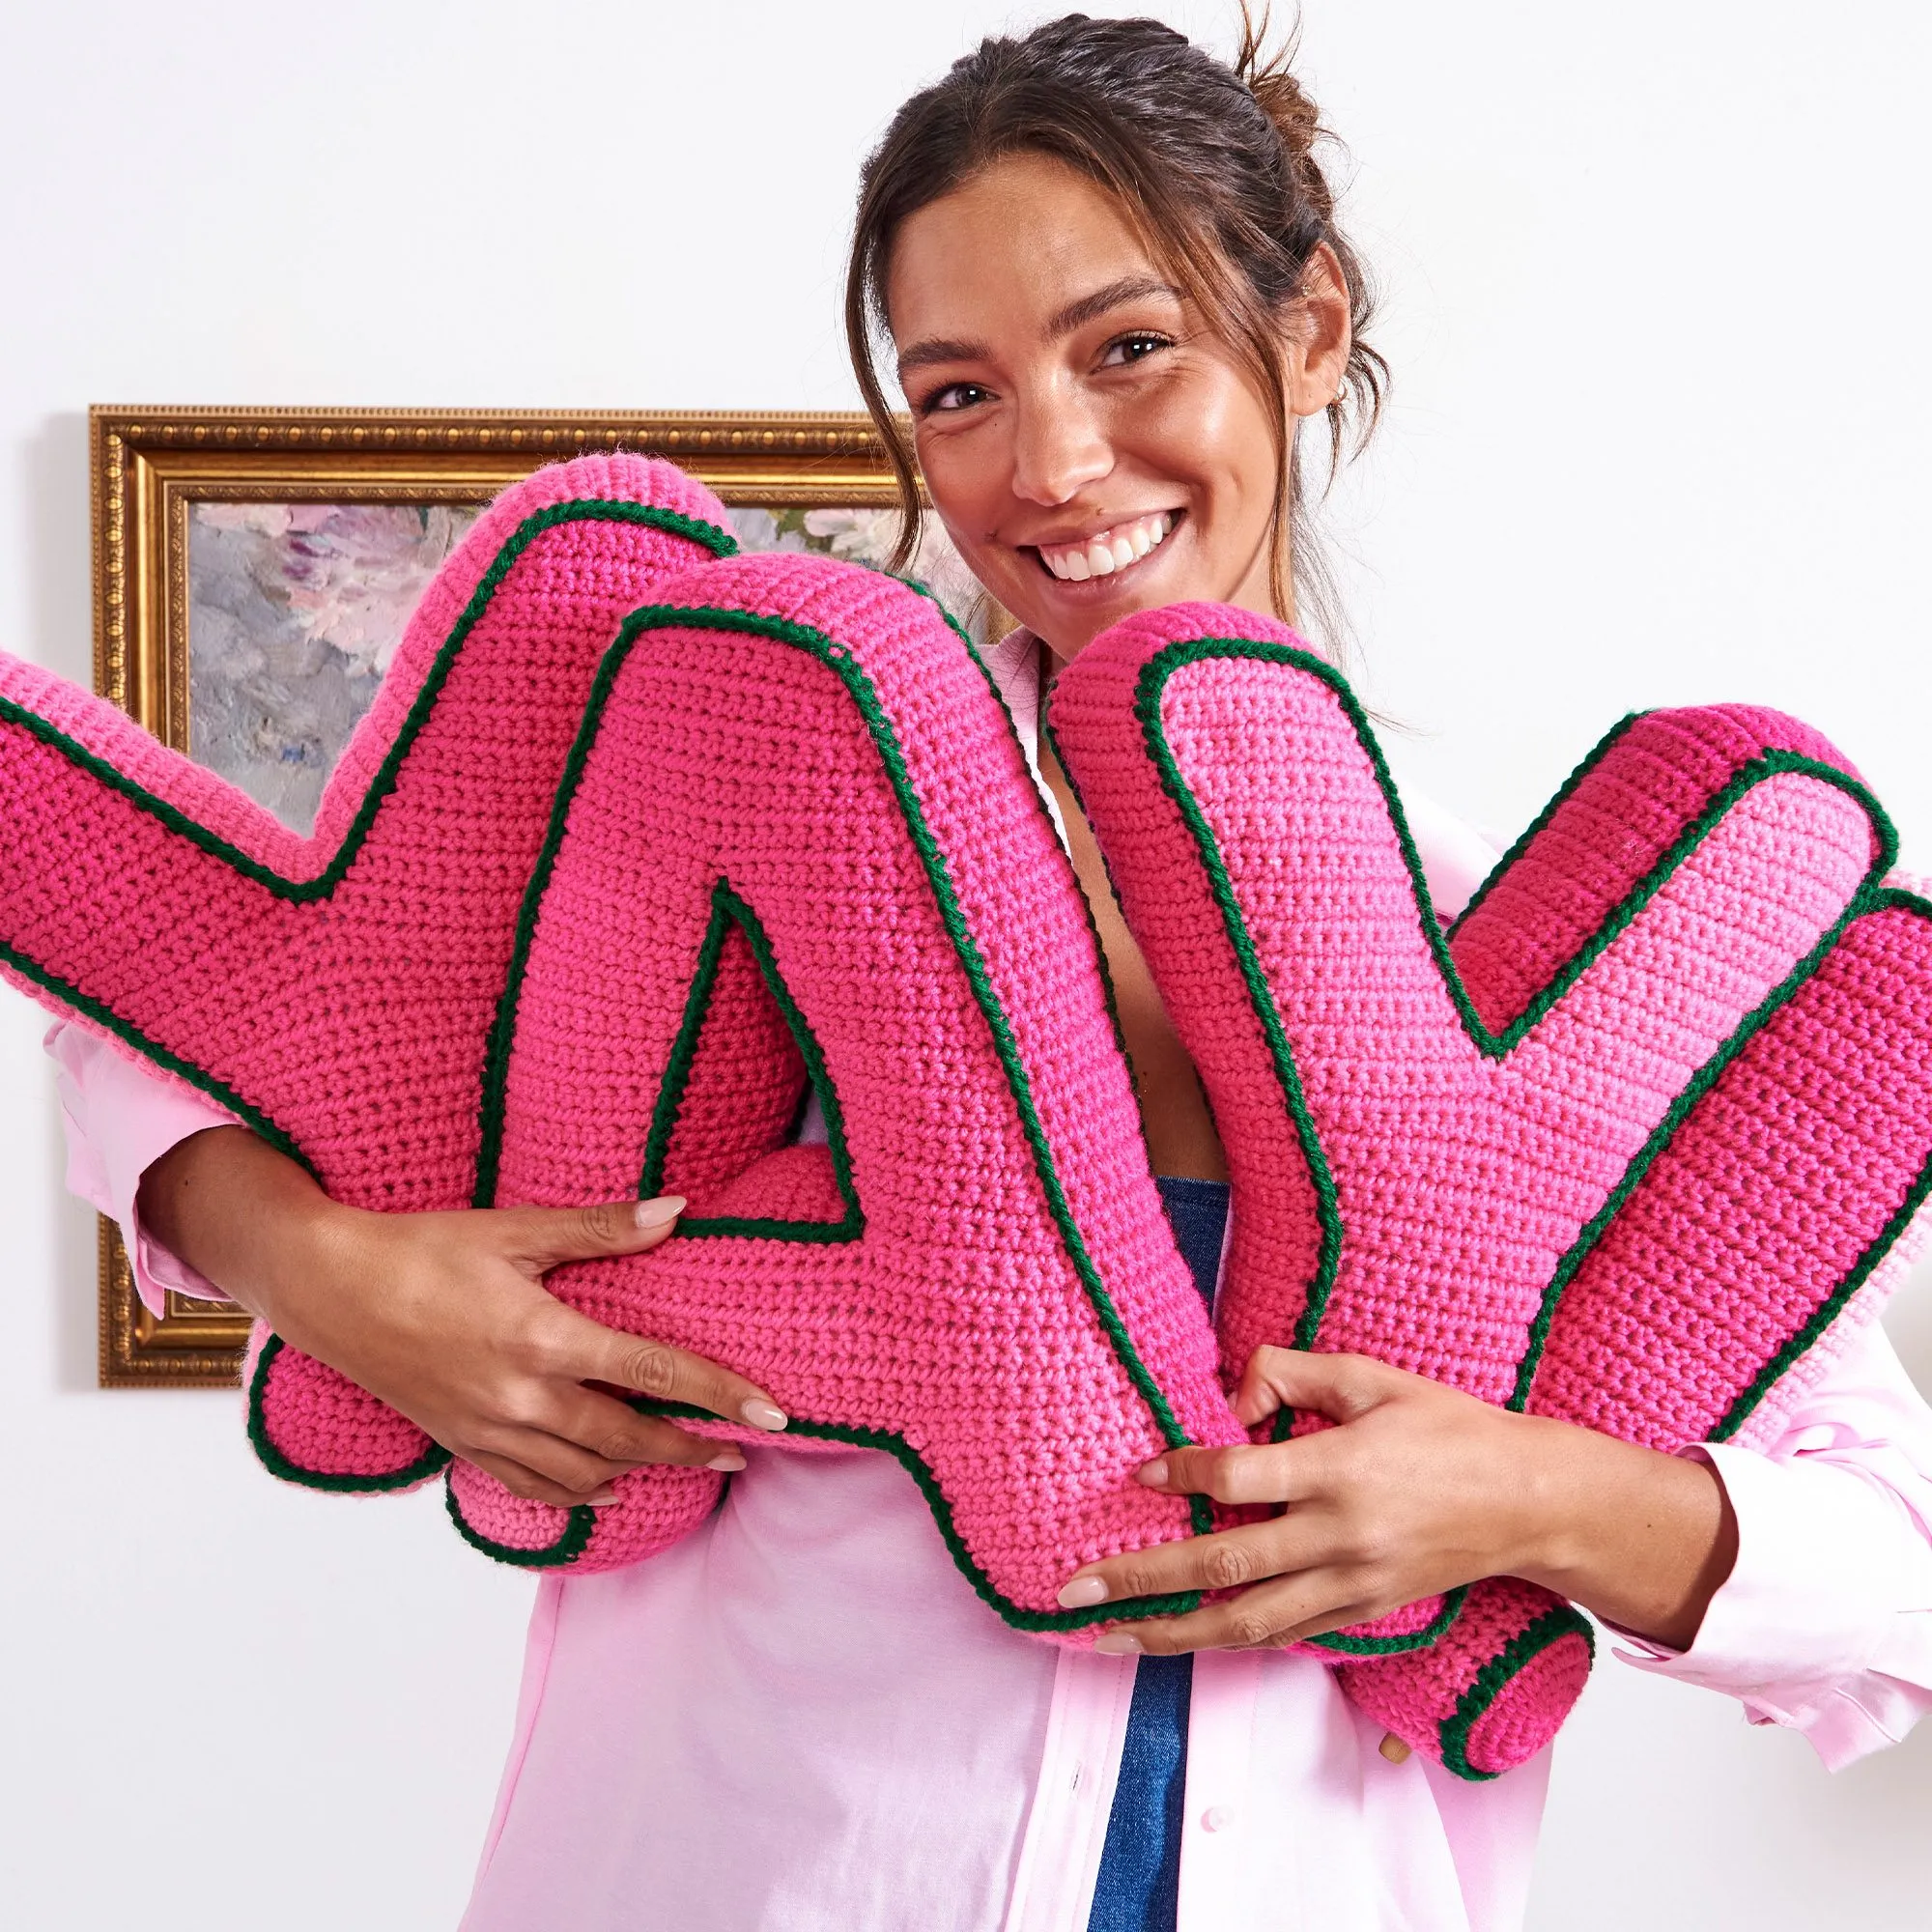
x,y
253,573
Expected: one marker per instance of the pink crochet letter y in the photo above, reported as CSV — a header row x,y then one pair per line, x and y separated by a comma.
x,y
1619,1150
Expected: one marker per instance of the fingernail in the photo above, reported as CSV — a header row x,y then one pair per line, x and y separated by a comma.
x,y
763,1414
1119,1643
1083,1592
1154,1474
602,1499
730,1462
655,1214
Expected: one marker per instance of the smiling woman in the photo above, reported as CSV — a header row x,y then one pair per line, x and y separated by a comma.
x,y
1106,268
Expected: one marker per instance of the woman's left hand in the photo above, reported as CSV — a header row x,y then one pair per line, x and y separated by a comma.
x,y
1417,1490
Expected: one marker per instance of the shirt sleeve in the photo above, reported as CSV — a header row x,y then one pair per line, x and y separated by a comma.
x,y
1825,1625
119,1119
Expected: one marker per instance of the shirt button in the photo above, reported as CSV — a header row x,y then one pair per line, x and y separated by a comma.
x,y
1217,1818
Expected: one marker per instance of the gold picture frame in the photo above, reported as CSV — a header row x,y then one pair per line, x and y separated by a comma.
x,y
149,466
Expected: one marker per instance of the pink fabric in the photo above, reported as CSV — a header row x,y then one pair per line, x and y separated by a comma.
x,y
907,1761
1413,1177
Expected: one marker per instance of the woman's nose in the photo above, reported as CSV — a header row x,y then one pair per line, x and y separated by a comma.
x,y
1059,447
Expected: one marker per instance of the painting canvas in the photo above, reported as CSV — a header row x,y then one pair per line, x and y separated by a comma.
x,y
295,609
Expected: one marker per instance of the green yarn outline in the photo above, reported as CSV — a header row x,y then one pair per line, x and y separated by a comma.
x,y
728,911
1521,1650
586,509
436,1457
571,1545
1150,690
1436,1629
861,693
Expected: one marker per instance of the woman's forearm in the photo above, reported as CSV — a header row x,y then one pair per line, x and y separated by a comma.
x,y
233,1210
1642,1540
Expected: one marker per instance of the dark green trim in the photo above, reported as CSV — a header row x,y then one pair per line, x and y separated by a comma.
x,y
1393,1646
1153,681
110,1021
1522,1649
730,912
1148,690
567,1548
837,658
325,882
1559,799
433,1458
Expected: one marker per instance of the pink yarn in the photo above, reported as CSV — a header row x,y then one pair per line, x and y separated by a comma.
x,y
1410,1185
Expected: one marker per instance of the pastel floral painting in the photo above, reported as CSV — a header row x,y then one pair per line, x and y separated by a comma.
x,y
294,611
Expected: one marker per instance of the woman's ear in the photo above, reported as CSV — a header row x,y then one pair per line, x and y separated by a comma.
x,y
1319,335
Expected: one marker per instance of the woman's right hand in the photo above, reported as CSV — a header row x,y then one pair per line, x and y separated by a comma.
x,y
445,1318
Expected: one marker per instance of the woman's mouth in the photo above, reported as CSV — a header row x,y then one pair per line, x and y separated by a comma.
x,y
1118,547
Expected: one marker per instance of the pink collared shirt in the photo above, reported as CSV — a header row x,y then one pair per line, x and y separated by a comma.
x,y
803,1720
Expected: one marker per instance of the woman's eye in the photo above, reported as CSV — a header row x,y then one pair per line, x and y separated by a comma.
x,y
953,396
1132,349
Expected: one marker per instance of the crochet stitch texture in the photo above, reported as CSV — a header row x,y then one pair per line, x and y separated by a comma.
x,y
1618,1151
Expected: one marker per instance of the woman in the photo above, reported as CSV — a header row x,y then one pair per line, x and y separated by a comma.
x,y
1110,272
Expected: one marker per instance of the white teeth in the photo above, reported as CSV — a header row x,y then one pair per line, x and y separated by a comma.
x,y
1107,550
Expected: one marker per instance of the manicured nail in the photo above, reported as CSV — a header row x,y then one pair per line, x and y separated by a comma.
x,y
600,1499
1393,1749
763,1414
655,1214
1119,1643
1154,1474
728,1461
1083,1592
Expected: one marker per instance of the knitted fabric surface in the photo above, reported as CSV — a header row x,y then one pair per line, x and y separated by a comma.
x,y
583,917
1633,1145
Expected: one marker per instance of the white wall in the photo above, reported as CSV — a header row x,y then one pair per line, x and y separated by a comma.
x,y
1656,288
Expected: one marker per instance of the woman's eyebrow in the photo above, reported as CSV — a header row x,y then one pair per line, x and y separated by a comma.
x,y
1115,295
1075,315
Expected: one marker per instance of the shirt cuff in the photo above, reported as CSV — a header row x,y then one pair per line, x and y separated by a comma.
x,y
1825,1624
119,1119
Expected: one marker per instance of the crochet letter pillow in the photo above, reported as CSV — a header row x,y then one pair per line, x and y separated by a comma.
x,y
563,936
1619,1150
336,992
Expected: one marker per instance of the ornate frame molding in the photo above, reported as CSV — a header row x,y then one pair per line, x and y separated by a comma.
x,y
147,464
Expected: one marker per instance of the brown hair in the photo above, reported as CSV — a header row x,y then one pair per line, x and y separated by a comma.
x,y
1215,164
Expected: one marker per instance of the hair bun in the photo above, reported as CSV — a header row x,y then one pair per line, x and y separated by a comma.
x,y
1271,78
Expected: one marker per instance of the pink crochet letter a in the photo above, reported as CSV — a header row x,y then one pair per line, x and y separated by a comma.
x,y
1619,1150
582,918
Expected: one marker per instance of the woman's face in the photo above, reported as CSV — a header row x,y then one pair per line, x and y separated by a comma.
x,y
1091,446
